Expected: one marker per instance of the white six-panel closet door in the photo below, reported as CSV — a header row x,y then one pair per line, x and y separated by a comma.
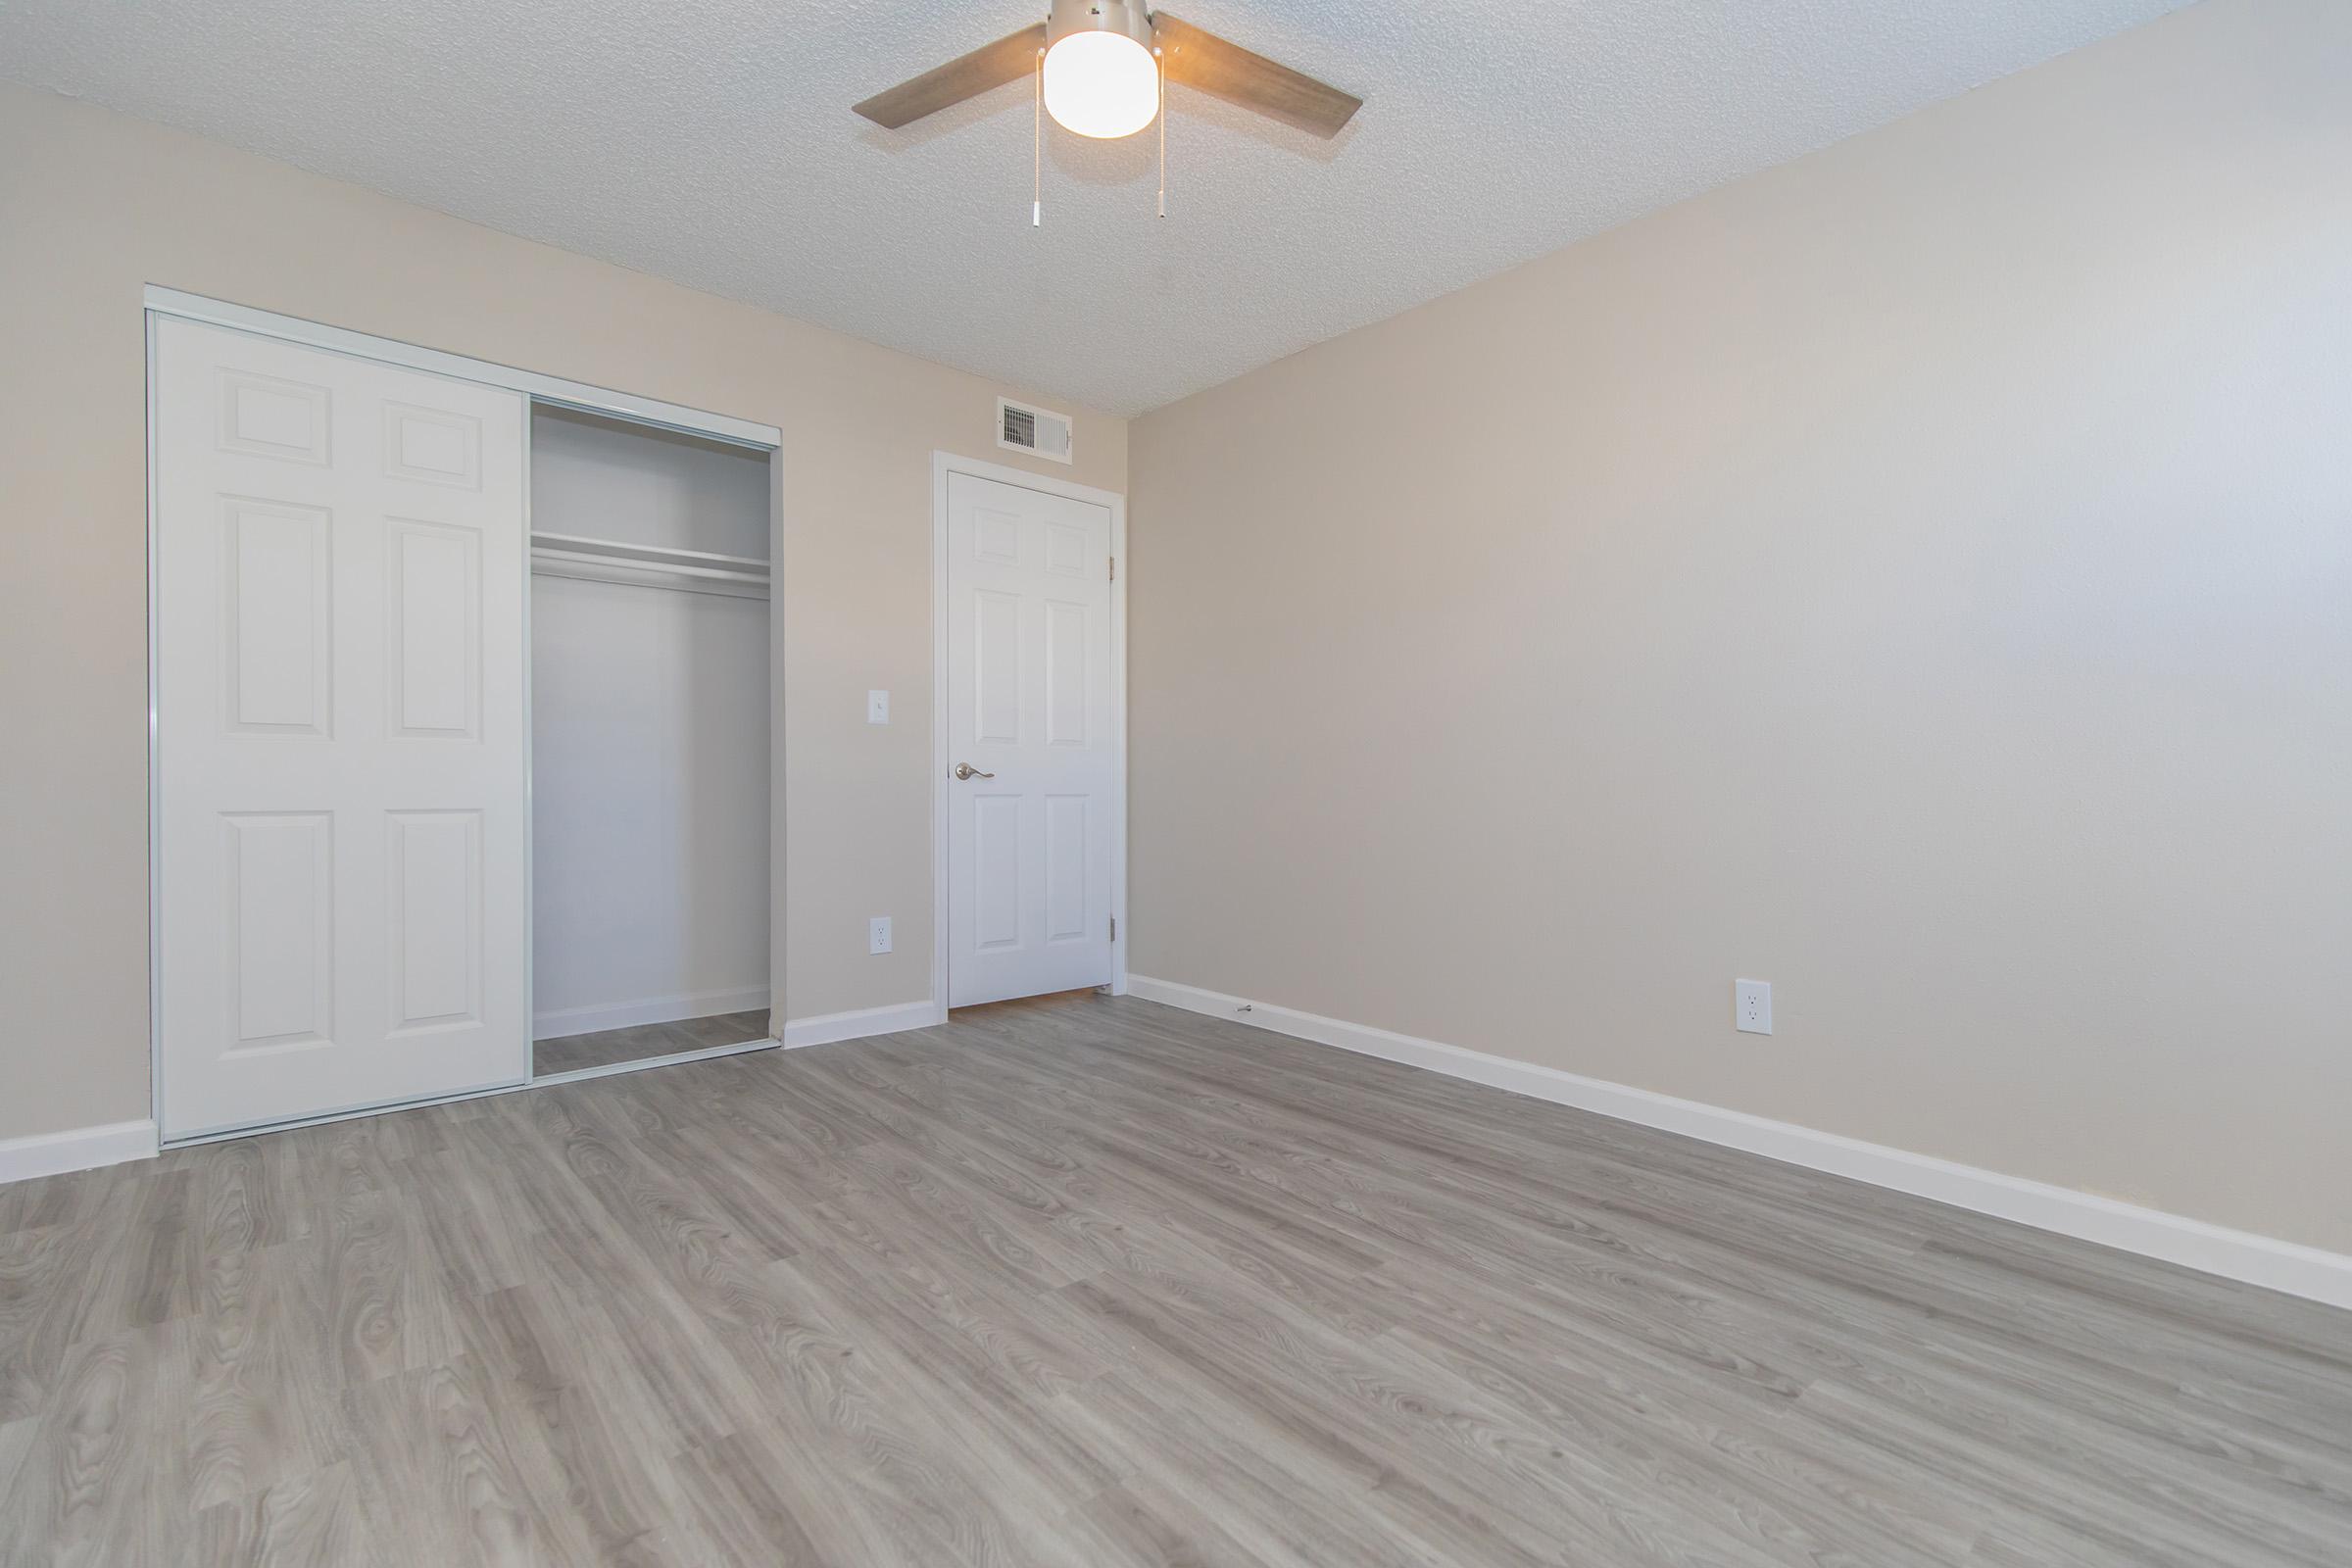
x,y
340,555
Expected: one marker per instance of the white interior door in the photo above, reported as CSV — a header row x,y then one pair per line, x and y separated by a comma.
x,y
340,732
1031,830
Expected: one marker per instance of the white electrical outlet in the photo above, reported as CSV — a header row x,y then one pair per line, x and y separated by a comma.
x,y
877,934
877,708
1751,1006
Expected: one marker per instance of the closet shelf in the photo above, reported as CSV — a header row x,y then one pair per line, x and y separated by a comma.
x,y
622,550
563,555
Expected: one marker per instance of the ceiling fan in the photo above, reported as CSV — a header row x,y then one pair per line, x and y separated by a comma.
x,y
1101,75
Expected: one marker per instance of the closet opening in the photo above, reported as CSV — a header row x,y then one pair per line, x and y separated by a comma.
x,y
650,795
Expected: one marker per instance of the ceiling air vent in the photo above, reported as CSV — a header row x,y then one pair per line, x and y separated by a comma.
x,y
1035,432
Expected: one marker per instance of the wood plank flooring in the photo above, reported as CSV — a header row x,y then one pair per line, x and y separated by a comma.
x,y
642,1042
1097,1283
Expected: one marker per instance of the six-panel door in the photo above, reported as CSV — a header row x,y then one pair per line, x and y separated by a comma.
x,y
340,732
1029,701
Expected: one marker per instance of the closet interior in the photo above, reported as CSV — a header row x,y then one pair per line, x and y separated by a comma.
x,y
649,744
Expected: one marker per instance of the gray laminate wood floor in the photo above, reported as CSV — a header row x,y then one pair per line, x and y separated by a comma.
x,y
642,1042
1100,1283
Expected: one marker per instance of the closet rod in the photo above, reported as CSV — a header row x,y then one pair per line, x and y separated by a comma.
x,y
678,569
636,574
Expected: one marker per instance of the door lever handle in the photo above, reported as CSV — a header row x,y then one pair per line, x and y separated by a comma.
x,y
967,771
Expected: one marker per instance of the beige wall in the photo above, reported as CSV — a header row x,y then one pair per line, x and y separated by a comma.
x,y
92,206
1920,575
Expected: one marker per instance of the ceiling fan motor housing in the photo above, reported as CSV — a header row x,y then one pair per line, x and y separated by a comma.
x,y
1127,18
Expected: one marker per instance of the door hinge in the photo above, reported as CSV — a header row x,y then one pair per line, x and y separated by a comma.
x,y
1114,568
1114,928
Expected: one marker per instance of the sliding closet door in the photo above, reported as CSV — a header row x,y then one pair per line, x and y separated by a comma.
x,y
340,550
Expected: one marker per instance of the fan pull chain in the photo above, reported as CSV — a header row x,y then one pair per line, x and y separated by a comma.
x,y
1162,60
1037,145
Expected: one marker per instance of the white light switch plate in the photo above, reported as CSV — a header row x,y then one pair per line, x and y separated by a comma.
x,y
877,934
877,708
1751,1006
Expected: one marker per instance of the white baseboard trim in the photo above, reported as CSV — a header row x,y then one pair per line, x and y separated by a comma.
x,y
564,1021
77,1148
858,1024
2264,1260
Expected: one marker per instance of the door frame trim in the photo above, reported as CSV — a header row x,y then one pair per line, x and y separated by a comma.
x,y
944,464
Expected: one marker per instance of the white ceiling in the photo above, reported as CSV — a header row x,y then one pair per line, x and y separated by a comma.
x,y
711,142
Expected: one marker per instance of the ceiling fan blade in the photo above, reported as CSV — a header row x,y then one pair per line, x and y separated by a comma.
x,y
992,64
1207,64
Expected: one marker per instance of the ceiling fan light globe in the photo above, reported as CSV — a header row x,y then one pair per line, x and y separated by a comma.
x,y
1102,84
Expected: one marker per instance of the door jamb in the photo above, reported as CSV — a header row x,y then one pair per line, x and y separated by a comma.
x,y
944,464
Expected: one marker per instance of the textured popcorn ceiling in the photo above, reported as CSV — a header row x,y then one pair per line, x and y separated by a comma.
x,y
710,142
